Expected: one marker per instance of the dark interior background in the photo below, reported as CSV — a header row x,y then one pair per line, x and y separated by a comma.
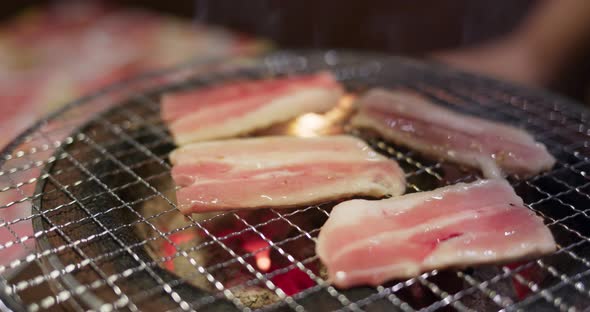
x,y
405,27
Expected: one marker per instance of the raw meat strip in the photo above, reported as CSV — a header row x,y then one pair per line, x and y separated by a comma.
x,y
236,108
280,172
411,120
370,242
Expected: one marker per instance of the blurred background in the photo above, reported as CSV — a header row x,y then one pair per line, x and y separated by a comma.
x,y
54,51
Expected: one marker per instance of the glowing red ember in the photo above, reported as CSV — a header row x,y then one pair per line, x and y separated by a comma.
x,y
531,273
293,281
235,235
170,250
262,255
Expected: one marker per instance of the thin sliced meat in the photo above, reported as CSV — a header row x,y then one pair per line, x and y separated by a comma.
x,y
370,242
241,107
280,172
409,119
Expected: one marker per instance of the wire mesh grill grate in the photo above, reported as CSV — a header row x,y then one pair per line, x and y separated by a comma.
x,y
87,208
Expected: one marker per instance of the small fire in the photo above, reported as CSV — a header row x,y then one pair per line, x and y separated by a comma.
x,y
261,254
311,124
290,282
528,274
170,250
293,281
235,236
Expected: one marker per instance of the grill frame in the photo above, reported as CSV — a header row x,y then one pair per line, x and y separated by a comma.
x,y
295,62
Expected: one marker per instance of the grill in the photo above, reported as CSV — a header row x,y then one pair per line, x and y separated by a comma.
x,y
88,210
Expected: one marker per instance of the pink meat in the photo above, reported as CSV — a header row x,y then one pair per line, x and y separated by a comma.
x,y
280,172
408,119
370,242
240,107
177,105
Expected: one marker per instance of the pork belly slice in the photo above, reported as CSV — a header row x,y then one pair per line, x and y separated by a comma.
x,y
280,171
237,108
411,120
370,242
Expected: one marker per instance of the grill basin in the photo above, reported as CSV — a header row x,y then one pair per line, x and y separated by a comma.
x,y
86,196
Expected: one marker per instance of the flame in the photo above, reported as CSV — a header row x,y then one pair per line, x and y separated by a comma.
x,y
261,255
310,125
170,250
528,273
263,262
293,281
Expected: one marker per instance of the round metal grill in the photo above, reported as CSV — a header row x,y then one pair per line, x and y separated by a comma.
x,y
88,217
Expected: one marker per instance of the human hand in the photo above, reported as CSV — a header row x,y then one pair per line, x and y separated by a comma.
x,y
507,58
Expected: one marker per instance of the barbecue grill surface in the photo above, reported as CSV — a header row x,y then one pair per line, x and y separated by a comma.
x,y
95,177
